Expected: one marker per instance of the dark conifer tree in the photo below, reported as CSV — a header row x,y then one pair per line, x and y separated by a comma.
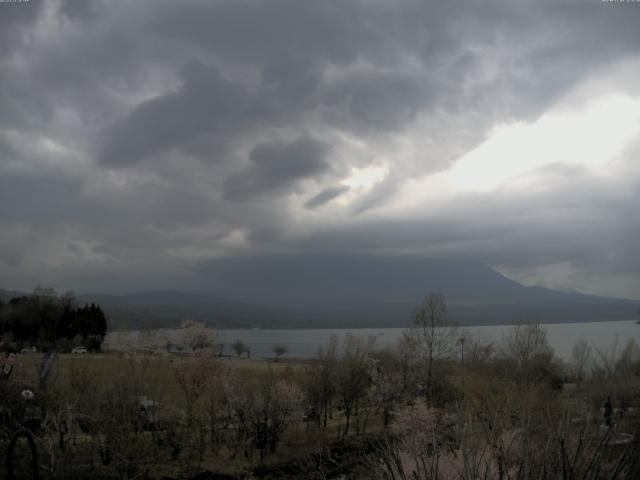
x,y
44,318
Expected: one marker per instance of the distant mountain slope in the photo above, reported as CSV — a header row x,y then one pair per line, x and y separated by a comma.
x,y
350,291
384,290
348,280
166,308
6,295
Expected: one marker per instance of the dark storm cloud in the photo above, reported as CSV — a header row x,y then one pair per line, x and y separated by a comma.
x,y
326,196
379,101
138,132
82,10
205,102
278,165
15,22
289,75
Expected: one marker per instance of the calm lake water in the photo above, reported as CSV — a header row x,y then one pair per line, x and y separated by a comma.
x,y
304,343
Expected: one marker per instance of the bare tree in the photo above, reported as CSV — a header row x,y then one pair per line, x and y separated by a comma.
x,y
629,362
354,375
239,347
605,361
388,382
197,336
262,409
279,350
580,357
320,383
525,341
433,333
421,439
194,376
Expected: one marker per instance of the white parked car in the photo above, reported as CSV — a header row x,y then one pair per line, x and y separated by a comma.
x,y
79,350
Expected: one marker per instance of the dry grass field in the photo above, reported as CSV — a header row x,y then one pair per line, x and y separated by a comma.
x,y
195,403
357,411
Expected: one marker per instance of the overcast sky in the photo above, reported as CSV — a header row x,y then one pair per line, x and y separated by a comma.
x,y
139,139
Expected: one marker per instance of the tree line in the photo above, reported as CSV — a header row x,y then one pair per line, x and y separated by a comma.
x,y
49,321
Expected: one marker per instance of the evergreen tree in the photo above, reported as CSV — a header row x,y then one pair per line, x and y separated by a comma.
x,y
46,319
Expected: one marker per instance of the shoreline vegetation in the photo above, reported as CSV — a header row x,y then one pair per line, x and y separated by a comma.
x,y
435,404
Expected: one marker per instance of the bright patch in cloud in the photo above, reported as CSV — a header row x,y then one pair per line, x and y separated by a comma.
x,y
364,178
590,138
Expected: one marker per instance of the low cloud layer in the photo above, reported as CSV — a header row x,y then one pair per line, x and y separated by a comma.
x,y
139,140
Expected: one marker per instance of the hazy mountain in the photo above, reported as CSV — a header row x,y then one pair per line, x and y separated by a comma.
x,y
167,308
6,295
385,290
350,291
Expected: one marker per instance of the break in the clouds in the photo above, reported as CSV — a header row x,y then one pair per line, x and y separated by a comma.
x,y
139,140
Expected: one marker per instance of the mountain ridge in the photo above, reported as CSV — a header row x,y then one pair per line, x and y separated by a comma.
x,y
352,291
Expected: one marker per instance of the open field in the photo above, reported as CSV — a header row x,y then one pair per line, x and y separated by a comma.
x,y
81,389
158,372
355,410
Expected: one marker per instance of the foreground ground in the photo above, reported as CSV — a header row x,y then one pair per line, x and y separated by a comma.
x,y
513,411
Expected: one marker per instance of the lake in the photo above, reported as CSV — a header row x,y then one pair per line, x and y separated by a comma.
x,y
304,343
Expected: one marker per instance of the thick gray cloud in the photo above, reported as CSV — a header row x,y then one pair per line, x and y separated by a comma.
x,y
205,103
15,22
276,165
140,139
